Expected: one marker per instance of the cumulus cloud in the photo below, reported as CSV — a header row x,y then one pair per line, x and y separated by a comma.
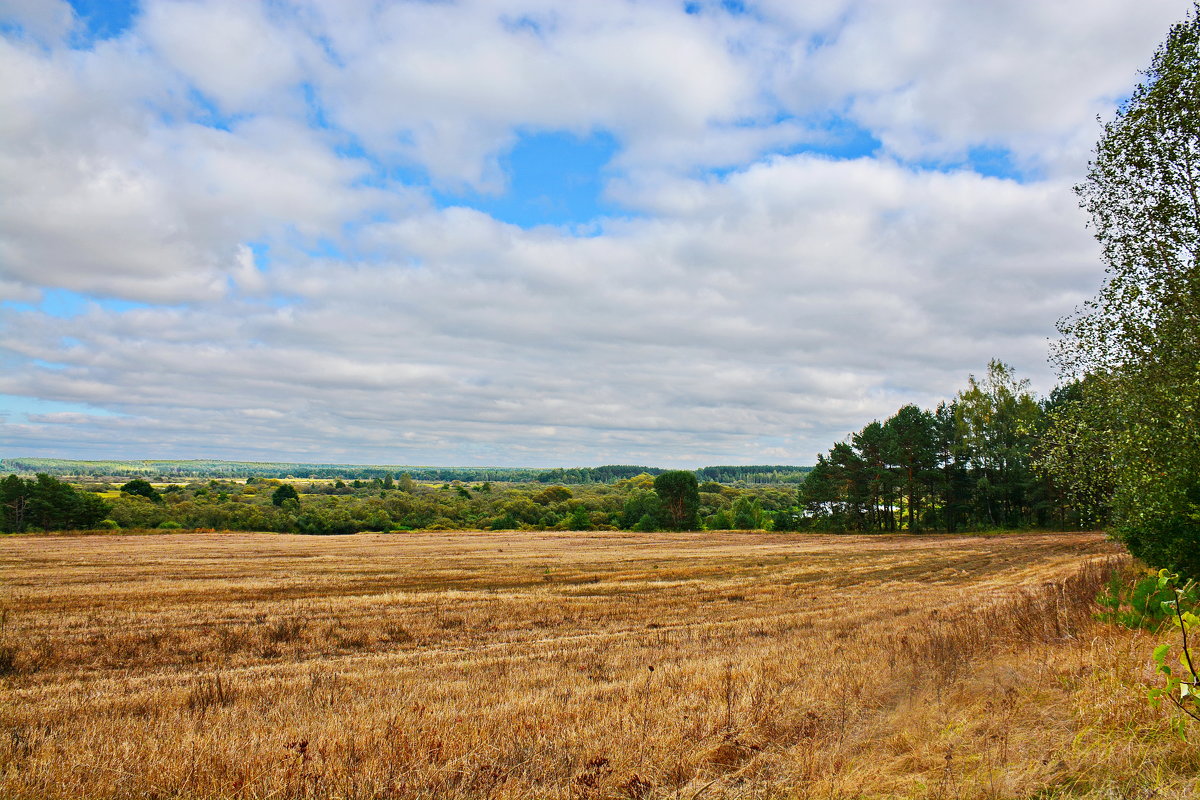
x,y
266,182
45,20
786,303
109,187
445,85
232,52
934,79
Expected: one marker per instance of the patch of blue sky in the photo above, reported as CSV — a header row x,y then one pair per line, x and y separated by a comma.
x,y
102,19
524,23
315,112
262,254
554,178
736,8
65,304
206,112
330,249
19,407
833,136
551,177
998,162
62,303
990,162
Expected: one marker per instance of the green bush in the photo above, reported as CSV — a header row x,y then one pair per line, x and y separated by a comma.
x,y
718,522
142,488
1139,602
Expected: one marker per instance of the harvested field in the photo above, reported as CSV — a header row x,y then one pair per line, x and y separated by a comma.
x,y
572,665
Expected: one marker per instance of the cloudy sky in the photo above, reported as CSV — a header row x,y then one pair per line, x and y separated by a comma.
x,y
535,232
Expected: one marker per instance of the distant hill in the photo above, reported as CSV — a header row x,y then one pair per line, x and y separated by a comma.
x,y
256,469
765,473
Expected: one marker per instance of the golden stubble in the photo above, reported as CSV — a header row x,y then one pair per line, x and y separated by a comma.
x,y
572,665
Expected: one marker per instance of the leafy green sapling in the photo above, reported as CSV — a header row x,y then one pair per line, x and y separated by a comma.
x,y
1181,686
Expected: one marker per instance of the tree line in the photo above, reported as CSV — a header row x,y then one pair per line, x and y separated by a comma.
x,y
47,504
167,470
1130,435
671,500
977,462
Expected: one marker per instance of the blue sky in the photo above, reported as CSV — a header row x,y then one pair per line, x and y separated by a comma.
x,y
528,232
102,19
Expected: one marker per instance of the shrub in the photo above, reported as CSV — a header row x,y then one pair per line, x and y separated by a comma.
x,y
1139,602
284,493
142,488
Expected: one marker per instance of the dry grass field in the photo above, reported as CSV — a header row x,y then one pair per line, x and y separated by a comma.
x,y
570,665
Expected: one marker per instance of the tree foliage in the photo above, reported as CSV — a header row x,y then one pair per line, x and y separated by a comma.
x,y
998,423
142,488
1075,450
680,495
966,464
1137,342
48,504
284,493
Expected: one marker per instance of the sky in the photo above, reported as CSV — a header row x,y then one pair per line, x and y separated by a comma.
x,y
536,232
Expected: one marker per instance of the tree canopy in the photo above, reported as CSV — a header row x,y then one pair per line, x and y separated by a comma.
x,y
680,495
284,493
970,463
1136,345
47,503
142,488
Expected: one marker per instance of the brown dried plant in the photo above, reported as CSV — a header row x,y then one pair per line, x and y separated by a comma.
x,y
444,665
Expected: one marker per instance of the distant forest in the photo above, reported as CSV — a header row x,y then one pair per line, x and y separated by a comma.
x,y
173,470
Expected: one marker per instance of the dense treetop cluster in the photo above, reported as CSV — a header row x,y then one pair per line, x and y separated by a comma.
x,y
976,463
672,500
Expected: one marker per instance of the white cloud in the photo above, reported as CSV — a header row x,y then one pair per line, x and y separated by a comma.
x,y
100,193
47,20
231,50
446,85
767,308
791,302
933,79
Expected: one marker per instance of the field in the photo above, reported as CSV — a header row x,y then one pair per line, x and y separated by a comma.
x,y
569,665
